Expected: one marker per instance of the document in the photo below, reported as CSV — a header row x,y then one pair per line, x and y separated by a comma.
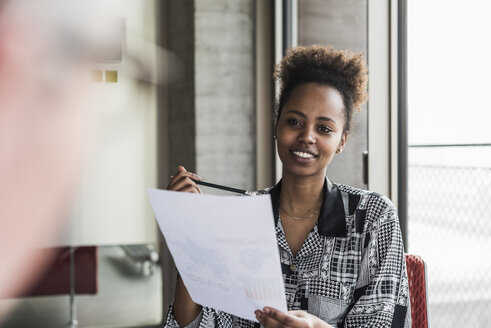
x,y
224,248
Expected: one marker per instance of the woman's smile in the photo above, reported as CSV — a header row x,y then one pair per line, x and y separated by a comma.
x,y
303,156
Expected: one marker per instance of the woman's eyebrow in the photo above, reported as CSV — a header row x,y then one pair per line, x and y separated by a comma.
x,y
299,113
323,118
320,118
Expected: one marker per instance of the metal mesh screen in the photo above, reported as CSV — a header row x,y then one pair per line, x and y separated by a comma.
x,y
449,225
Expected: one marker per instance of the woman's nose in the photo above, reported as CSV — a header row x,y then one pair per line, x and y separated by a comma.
x,y
306,135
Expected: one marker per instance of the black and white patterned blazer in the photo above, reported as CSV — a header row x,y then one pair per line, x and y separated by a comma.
x,y
350,271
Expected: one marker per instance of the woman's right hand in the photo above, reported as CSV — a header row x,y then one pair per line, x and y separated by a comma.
x,y
184,181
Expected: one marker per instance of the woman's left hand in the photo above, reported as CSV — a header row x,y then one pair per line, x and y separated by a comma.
x,y
272,318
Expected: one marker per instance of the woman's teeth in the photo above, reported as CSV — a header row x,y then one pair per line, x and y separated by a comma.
x,y
302,154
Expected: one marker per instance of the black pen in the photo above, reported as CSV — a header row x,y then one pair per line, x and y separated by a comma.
x,y
216,186
212,185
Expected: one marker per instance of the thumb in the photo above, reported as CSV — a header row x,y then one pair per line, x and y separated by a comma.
x,y
181,168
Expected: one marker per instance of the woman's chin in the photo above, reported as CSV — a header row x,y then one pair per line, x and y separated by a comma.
x,y
303,172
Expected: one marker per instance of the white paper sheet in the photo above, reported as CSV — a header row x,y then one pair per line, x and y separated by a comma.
x,y
224,248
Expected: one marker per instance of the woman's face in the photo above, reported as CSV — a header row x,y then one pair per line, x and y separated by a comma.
x,y
310,129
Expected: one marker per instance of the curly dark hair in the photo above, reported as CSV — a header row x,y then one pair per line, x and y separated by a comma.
x,y
342,70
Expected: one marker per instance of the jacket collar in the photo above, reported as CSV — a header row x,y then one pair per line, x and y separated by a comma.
x,y
332,218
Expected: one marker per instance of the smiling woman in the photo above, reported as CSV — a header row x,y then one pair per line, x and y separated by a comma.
x,y
340,247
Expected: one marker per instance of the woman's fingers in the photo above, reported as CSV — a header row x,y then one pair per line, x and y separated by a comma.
x,y
185,184
183,179
298,313
272,318
191,188
181,171
193,175
267,321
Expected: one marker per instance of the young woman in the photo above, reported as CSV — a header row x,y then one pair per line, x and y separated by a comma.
x,y
340,247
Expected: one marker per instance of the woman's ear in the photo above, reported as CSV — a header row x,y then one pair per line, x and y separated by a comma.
x,y
342,142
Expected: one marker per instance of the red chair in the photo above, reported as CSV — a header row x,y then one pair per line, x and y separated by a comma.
x,y
418,292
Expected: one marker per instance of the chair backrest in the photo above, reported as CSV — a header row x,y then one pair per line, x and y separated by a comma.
x,y
416,272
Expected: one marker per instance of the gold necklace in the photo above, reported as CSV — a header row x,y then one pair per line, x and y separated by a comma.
x,y
300,208
297,218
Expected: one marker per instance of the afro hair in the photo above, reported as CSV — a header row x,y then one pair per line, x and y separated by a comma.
x,y
342,70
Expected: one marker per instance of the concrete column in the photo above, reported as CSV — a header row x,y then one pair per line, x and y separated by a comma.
x,y
211,104
208,109
224,84
181,127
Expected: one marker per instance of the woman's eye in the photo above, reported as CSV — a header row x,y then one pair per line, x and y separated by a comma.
x,y
293,122
325,129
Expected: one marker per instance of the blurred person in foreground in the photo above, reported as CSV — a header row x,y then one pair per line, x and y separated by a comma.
x,y
340,247
45,117
48,120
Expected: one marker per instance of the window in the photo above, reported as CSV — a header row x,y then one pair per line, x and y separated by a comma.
x,y
449,156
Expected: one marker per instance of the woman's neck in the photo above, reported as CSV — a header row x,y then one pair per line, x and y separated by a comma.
x,y
302,191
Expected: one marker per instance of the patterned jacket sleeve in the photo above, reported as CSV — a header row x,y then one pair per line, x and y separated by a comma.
x,y
208,318
381,294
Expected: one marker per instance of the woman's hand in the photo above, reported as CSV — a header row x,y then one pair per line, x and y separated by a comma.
x,y
184,181
272,318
